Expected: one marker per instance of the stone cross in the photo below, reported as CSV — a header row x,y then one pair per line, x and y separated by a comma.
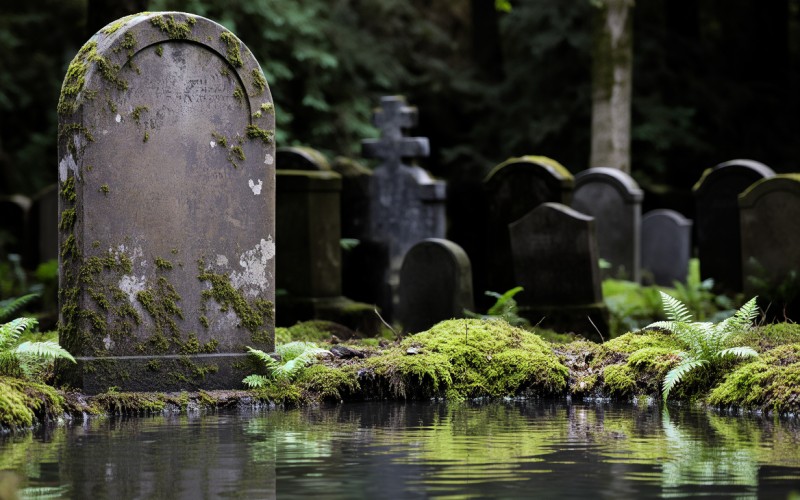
x,y
392,118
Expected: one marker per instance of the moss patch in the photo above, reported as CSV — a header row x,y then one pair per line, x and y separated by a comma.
x,y
259,82
23,403
234,53
174,29
255,132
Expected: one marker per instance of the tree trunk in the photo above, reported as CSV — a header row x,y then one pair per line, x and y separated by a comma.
x,y
612,61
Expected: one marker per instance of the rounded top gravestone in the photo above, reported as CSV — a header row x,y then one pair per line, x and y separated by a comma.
x,y
167,181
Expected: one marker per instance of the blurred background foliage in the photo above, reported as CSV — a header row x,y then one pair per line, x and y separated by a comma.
x,y
713,80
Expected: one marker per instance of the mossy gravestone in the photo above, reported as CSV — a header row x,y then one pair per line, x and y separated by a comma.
x,y
167,182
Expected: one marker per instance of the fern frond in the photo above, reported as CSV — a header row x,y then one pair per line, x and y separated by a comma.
x,y
10,306
255,381
676,374
675,309
294,349
504,301
663,325
739,352
10,332
265,358
743,318
47,349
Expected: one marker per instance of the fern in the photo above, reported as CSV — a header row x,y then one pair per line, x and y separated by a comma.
x,y
255,381
10,332
504,308
10,307
295,356
24,359
706,342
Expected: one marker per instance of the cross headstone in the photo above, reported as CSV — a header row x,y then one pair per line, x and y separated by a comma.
x,y
666,247
435,284
513,189
555,258
717,219
614,199
407,204
167,190
770,229
301,158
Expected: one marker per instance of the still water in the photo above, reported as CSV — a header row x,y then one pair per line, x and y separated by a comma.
x,y
415,450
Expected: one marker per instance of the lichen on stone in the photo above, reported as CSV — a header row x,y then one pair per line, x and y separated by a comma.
x,y
175,30
234,53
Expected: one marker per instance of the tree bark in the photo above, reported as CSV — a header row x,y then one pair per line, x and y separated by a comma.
x,y
612,62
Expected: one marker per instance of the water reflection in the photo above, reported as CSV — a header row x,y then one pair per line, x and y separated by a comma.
x,y
415,450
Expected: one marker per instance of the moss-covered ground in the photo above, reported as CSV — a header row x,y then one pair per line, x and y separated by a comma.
x,y
462,359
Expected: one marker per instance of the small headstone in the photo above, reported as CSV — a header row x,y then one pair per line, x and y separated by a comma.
x,y
717,219
770,229
435,285
666,247
614,199
44,225
513,189
167,190
407,204
301,158
555,258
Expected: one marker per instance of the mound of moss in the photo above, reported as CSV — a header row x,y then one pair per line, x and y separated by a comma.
x,y
468,358
24,403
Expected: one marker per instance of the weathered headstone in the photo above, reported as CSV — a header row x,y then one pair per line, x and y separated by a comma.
x,y
717,219
555,260
44,225
301,158
666,247
770,229
407,204
614,199
435,284
167,184
513,189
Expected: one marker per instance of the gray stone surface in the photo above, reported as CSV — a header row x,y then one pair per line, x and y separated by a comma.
x,y
166,172
301,158
407,204
717,219
435,285
554,252
513,189
666,247
614,199
770,229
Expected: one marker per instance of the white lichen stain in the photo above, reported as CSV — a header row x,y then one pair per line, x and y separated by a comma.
x,y
66,164
105,132
118,118
255,187
222,261
132,285
268,159
213,144
254,278
108,343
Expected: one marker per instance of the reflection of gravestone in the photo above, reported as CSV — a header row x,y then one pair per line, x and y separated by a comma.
x,y
435,285
555,260
513,189
717,219
407,204
666,247
614,199
166,174
770,228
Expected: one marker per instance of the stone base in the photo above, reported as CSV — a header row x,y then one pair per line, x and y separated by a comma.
x,y
574,318
357,316
168,373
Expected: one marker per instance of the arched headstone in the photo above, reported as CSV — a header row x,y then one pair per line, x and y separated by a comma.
x,y
666,247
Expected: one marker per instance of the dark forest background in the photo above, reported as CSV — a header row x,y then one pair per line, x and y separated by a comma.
x,y
714,80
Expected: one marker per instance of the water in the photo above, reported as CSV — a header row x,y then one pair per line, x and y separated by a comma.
x,y
415,450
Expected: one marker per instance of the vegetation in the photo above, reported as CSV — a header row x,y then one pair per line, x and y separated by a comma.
x,y
295,356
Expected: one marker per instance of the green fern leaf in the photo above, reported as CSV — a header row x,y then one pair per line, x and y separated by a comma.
x,y
255,381
675,309
265,358
47,349
9,307
294,349
743,318
738,352
504,301
10,332
676,374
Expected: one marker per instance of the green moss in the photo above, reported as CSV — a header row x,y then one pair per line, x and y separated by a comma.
x,y
137,113
234,54
146,137
259,82
174,29
128,43
319,382
193,346
111,105
161,303
256,315
154,365
238,94
67,221
255,132
268,108
280,392
69,248
221,139
131,403
204,321
160,50
68,189
237,153
24,403
66,130
619,379
224,71
469,358
104,189
162,263
121,23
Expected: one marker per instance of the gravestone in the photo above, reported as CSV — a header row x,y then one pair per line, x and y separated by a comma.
x,y
513,189
435,285
770,229
310,269
167,191
614,199
407,204
301,158
43,222
717,219
14,211
666,247
555,259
